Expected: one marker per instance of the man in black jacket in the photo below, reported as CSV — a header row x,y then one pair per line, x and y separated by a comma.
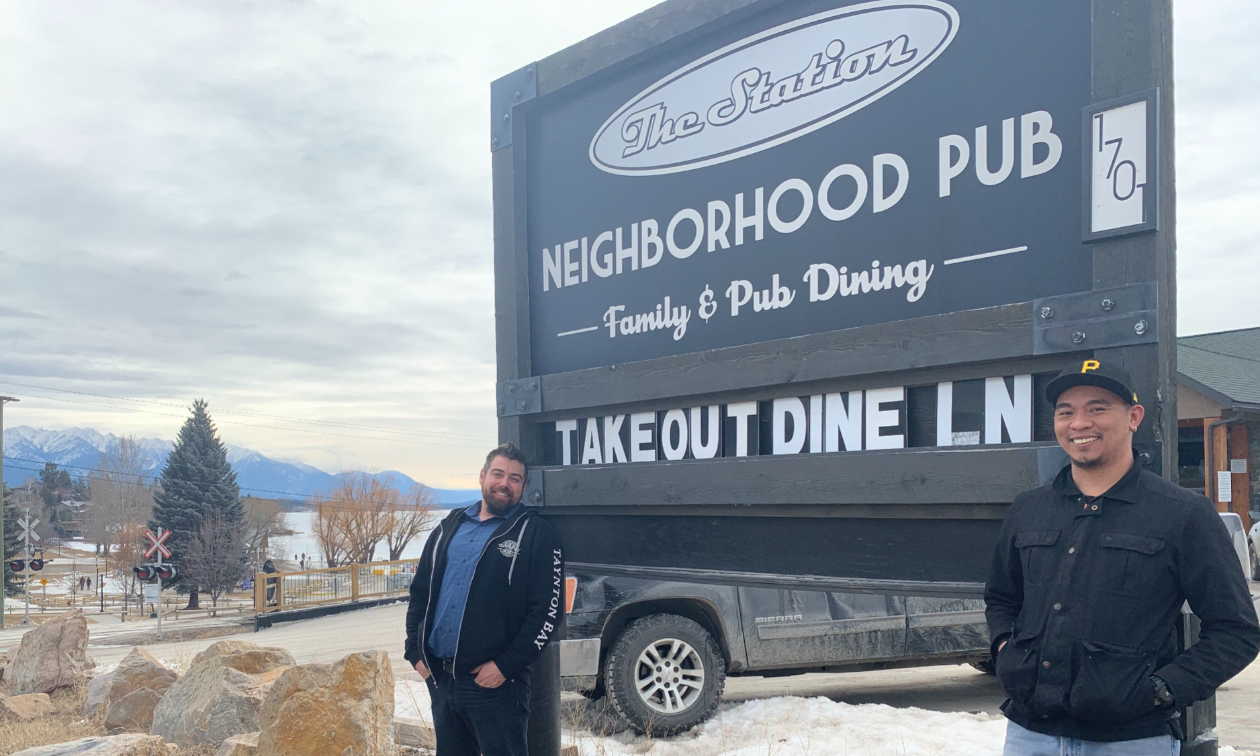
x,y
1087,584
486,600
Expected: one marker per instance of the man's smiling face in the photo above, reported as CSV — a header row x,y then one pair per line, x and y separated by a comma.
x,y
1094,426
502,483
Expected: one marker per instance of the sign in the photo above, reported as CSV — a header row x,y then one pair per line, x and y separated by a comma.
x,y
996,410
28,529
43,581
1238,466
152,593
1122,136
1224,487
808,172
157,543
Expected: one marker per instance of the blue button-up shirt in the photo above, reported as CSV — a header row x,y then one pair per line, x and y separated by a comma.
x,y
461,561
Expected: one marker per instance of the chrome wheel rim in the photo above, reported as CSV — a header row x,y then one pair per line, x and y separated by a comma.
x,y
669,676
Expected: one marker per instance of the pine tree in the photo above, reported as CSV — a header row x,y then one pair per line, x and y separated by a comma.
x,y
196,482
12,546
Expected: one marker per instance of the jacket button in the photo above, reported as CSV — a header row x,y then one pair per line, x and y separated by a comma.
x,y
1057,607
1045,665
1095,507
1072,550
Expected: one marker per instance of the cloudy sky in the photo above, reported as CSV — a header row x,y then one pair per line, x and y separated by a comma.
x,y
284,207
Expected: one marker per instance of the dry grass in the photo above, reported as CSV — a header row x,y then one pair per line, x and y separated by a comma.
x,y
66,724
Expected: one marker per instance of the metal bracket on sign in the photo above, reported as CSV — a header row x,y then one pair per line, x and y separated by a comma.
x,y
535,495
519,397
505,94
1124,316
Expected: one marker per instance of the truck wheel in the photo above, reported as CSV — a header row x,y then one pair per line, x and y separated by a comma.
x,y
1255,563
664,675
985,666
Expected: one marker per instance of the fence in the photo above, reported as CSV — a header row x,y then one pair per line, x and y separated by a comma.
x,y
280,591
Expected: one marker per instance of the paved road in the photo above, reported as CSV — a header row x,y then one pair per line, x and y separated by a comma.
x,y
953,688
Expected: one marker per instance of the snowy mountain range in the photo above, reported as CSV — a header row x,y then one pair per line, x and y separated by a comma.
x,y
78,450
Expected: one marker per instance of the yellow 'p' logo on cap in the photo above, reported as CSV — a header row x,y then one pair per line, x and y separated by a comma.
x,y
1089,365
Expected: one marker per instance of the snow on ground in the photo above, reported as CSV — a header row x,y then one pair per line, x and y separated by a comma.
x,y
792,726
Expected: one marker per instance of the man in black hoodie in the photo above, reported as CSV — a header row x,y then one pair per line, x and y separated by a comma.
x,y
1087,584
486,600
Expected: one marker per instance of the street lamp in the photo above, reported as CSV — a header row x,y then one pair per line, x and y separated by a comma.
x,y
3,401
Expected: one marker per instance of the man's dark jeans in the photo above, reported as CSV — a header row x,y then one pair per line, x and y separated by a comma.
x,y
469,720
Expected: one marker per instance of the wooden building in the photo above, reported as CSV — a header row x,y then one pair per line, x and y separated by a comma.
x,y
1218,413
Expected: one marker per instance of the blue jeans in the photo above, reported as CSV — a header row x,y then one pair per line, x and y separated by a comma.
x,y
1024,742
469,720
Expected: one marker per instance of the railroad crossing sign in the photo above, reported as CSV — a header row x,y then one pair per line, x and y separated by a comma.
x,y
28,528
158,543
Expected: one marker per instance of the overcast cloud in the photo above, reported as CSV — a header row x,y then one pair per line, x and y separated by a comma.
x,y
285,207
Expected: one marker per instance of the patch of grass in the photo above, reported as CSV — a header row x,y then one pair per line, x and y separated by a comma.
x,y
68,723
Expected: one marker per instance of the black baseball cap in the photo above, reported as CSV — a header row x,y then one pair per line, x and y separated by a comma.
x,y
1093,373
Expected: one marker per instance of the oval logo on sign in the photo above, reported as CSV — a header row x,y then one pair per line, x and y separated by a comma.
x,y
774,86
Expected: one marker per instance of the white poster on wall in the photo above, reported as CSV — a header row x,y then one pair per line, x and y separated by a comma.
x,y
1224,487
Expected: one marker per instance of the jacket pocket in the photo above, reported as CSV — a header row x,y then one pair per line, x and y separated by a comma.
x,y
1037,554
1112,684
1016,667
1131,562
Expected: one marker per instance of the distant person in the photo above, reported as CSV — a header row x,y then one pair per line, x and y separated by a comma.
x,y
269,567
485,602
1087,584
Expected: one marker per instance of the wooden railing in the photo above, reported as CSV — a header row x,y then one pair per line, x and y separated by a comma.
x,y
281,591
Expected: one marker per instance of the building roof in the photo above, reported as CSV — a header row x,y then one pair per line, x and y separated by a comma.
x,y
1227,363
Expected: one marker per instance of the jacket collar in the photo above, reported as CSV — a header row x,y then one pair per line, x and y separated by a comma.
x,y
1125,489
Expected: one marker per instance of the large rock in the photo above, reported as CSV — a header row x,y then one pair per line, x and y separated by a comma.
x,y
52,656
94,699
133,712
117,745
220,694
346,709
239,745
27,707
134,690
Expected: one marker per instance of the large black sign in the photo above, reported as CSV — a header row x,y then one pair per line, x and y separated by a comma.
x,y
812,167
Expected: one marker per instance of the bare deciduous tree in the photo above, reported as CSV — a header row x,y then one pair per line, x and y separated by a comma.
x,y
120,492
264,521
128,554
408,519
354,517
215,557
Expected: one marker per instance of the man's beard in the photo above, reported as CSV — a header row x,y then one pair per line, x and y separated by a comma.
x,y
498,509
1090,464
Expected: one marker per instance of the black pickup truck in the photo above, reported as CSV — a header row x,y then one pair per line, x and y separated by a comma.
x,y
661,651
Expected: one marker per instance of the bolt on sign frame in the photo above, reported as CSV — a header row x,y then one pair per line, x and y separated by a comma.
x,y
778,285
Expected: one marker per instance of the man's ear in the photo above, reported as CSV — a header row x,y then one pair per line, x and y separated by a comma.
x,y
481,479
1136,413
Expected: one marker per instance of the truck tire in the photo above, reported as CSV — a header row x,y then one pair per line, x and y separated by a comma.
x,y
1255,563
664,675
986,666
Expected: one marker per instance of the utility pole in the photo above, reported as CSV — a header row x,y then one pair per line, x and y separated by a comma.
x,y
3,400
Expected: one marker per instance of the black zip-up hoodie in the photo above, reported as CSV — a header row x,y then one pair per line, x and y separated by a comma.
x,y
515,603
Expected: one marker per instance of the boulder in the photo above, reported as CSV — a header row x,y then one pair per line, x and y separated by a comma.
x,y
239,745
133,712
27,707
52,656
116,745
346,708
220,694
134,690
94,698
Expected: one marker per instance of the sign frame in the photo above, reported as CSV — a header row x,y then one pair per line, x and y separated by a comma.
x,y
1127,63
1151,201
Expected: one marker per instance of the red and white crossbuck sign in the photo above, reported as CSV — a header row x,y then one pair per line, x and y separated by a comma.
x,y
158,542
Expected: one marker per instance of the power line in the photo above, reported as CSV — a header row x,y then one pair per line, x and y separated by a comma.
x,y
247,414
